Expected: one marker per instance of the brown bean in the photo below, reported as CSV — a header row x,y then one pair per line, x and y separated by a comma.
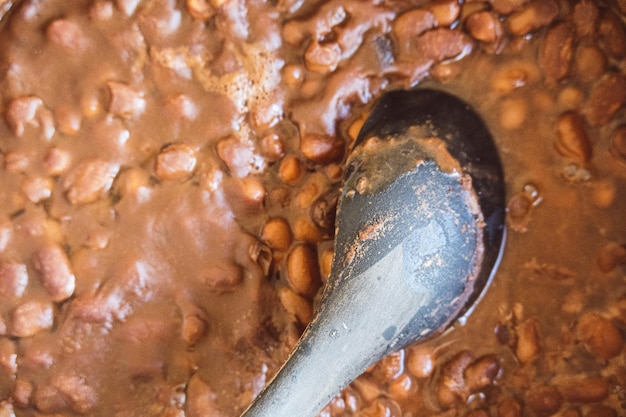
x,y
442,44
322,58
508,6
194,329
36,189
420,361
537,14
68,120
22,392
403,387
586,17
277,234
600,410
478,413
515,75
588,389
618,143
223,277
513,113
200,9
56,161
484,26
55,272
611,256
590,63
481,373
68,35
125,101
509,407
518,211
612,36
310,191
8,357
272,147
13,279
409,25
290,169
29,318
600,336
390,367
322,149
451,388
572,140
556,52
543,400
305,230
326,262
303,270
446,12
295,305
175,162
89,180
605,99
21,112
368,389
252,191
528,344
76,392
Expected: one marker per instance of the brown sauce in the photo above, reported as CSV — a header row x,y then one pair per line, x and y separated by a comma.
x,y
169,176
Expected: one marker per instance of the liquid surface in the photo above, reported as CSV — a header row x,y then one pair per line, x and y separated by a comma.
x,y
170,171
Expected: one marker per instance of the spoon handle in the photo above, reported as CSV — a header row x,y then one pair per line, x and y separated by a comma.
x,y
334,349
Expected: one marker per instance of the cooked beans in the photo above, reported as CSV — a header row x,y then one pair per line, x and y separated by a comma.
x,y
557,51
55,271
29,318
528,344
572,138
484,26
13,279
583,389
277,234
89,180
600,336
175,162
303,270
543,400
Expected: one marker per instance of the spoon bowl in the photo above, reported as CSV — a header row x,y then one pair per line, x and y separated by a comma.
x,y
420,229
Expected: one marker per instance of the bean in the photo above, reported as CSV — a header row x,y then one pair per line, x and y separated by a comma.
x,y
574,301
293,75
22,392
570,98
513,113
76,392
618,143
55,272
484,26
125,102
603,193
607,96
403,387
200,9
182,107
509,407
600,410
13,279
600,336
290,169
194,329
515,75
68,120
368,389
556,52
101,11
223,277
571,412
272,147
481,373
508,6
538,14
409,25
21,112
36,189
310,191
8,357
590,63
295,305
610,256
303,270
322,149
612,36
543,400
322,58
442,44
528,344
420,361
56,161
588,389
277,234
451,388
252,191
446,12
586,17
68,35
382,407
572,140
175,162
390,367
518,211
16,162
305,230
89,180
30,318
